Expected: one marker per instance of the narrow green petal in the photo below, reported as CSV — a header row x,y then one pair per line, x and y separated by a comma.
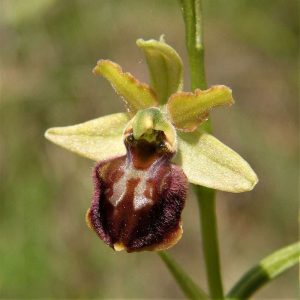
x,y
165,68
188,110
136,95
97,139
208,162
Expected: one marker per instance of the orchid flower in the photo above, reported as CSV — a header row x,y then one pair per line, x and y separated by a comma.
x,y
147,155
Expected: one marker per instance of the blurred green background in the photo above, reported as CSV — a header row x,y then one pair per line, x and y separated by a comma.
x,y
48,49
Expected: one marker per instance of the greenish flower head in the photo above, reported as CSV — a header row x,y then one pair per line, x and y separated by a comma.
x,y
159,137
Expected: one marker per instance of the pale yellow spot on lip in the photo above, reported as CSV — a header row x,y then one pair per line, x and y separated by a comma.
x,y
119,246
87,219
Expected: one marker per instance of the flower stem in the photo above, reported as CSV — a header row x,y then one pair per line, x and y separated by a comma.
x,y
189,288
192,15
194,40
206,202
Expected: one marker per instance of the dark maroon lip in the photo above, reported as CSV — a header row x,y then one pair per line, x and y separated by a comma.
x,y
138,198
143,153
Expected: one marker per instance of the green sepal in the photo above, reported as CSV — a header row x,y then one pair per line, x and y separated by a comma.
x,y
165,66
187,110
136,95
96,139
208,162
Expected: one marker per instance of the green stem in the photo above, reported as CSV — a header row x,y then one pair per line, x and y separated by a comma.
x,y
206,203
192,14
266,270
190,289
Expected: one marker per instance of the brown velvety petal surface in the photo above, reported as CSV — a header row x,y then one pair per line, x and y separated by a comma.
x,y
138,199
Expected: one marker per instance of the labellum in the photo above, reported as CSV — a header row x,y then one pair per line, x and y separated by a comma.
x,y
139,197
